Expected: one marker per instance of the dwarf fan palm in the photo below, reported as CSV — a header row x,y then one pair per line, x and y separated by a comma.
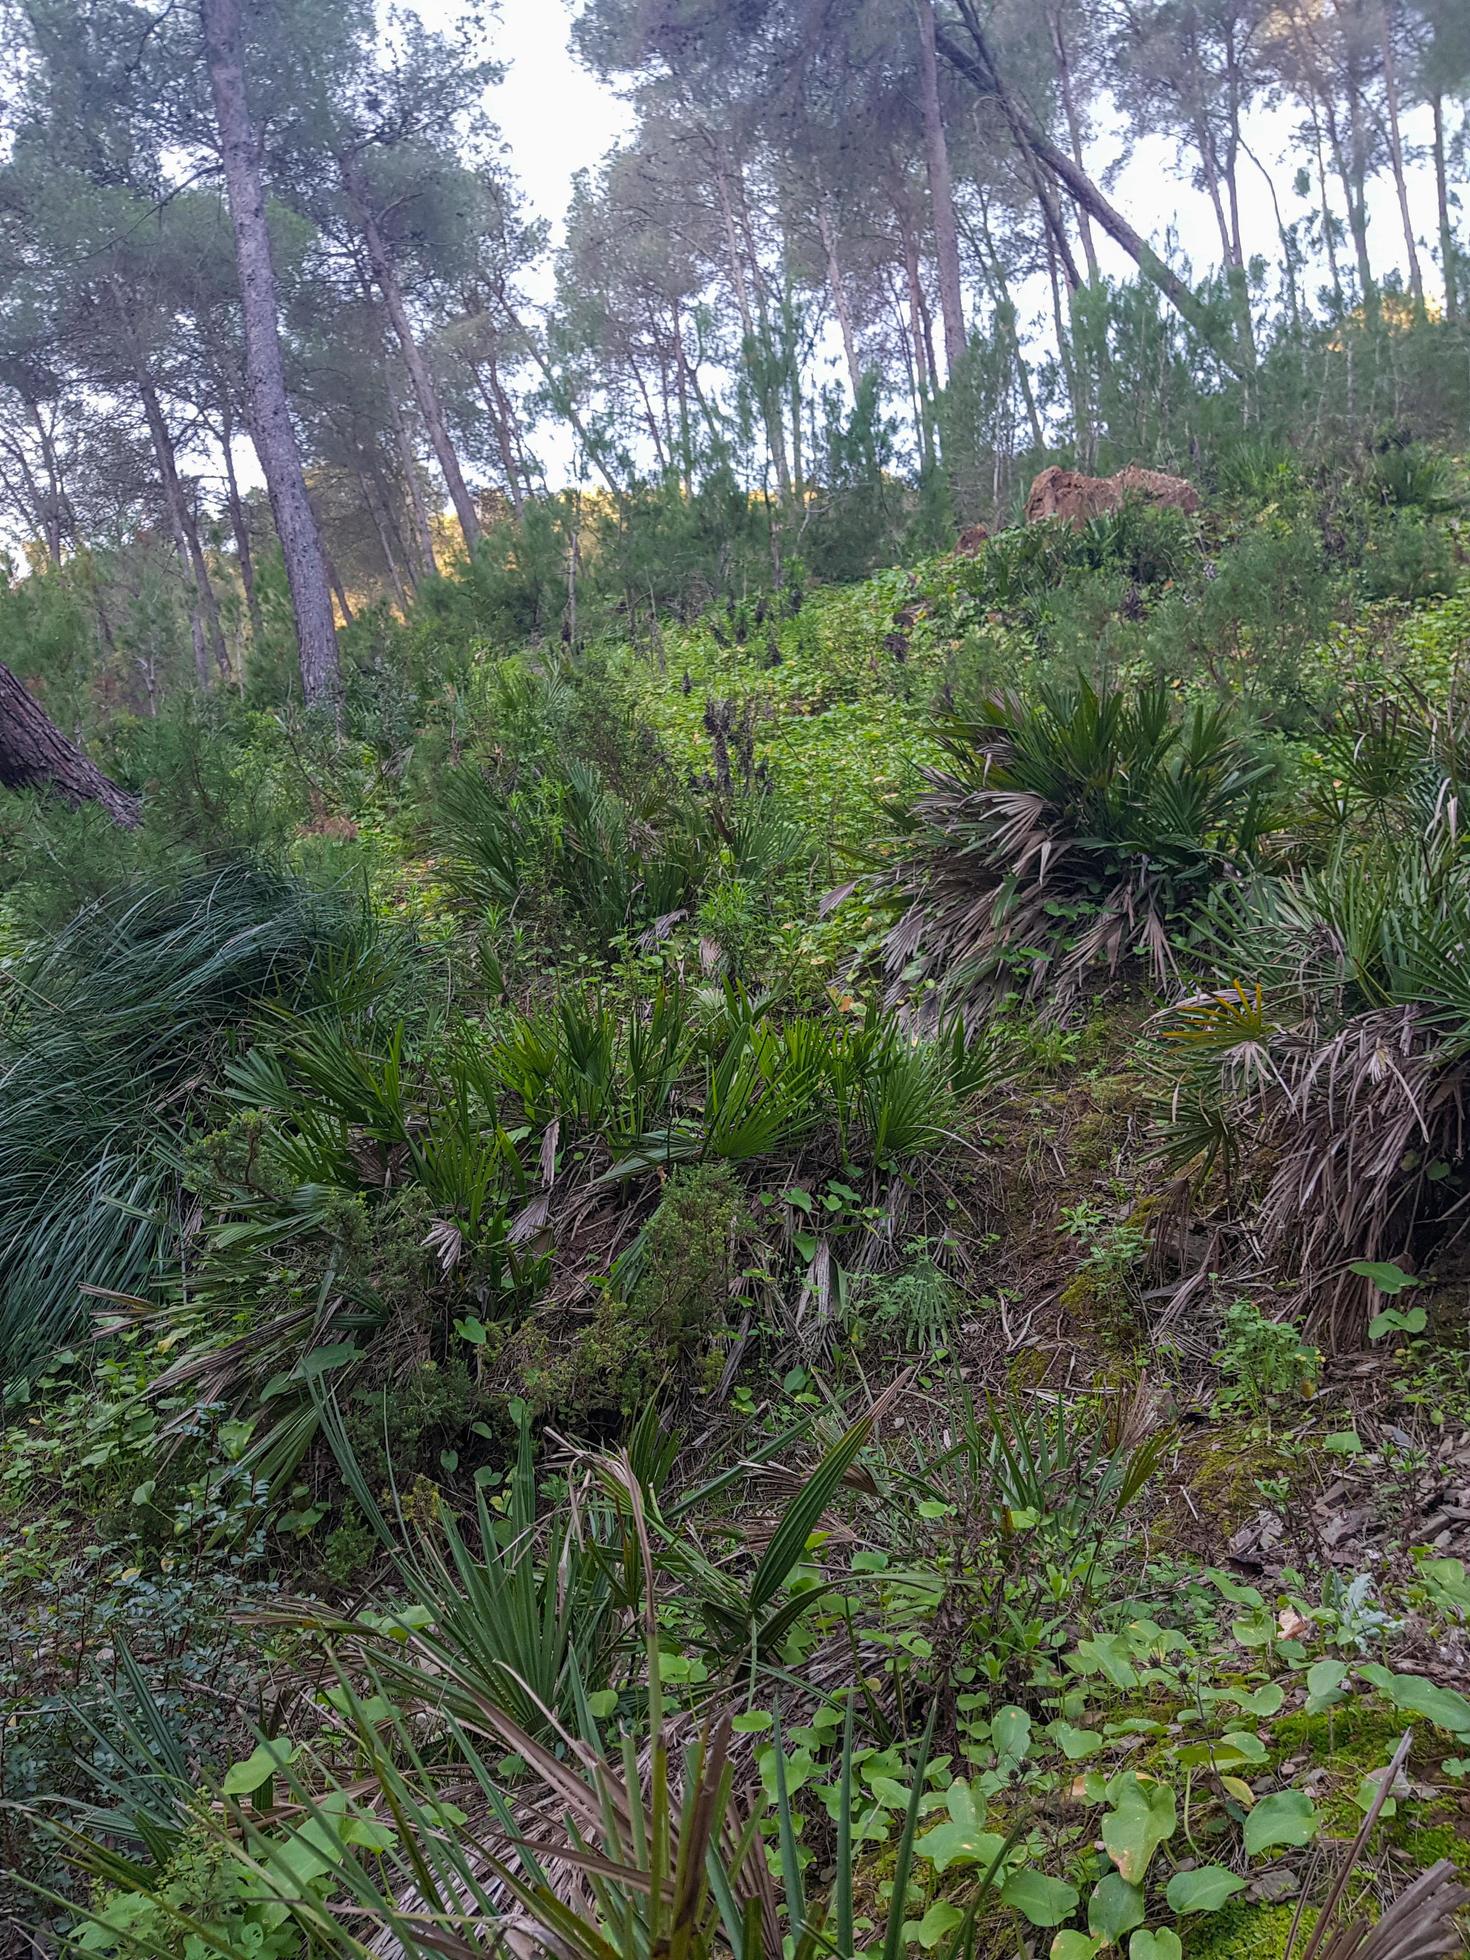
x,y
1067,834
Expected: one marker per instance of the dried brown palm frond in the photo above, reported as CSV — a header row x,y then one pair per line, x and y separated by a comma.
x,y
1337,1080
1418,1925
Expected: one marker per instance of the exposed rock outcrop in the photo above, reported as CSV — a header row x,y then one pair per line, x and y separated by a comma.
x,y
1078,498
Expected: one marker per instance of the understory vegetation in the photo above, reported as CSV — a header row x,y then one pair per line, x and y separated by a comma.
x,y
751,1290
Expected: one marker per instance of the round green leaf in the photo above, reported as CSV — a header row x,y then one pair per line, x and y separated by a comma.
x,y
1073,1946
1114,1909
1205,1889
1162,1945
1141,1821
1286,1817
1044,1901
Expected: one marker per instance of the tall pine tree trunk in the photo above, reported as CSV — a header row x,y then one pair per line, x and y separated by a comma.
x,y
422,562
1396,154
1074,130
385,273
265,374
186,544
244,550
923,369
377,513
837,286
34,754
979,69
1448,254
941,191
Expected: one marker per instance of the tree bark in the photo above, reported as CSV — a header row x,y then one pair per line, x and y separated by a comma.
x,y
923,372
1354,173
380,525
268,411
186,541
244,550
1396,154
60,518
1449,260
34,754
941,190
979,69
1329,223
214,632
385,272
1005,322
837,285
1074,130
422,562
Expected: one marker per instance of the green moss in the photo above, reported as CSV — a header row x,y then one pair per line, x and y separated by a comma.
x,y
1428,1843
1241,1932
1225,1473
1354,1735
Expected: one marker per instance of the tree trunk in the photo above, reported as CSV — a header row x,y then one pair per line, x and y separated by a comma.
x,y
837,285
498,407
681,383
1288,247
339,593
1448,254
422,561
1070,354
214,632
1329,223
1074,131
34,754
29,496
421,536
385,542
759,344
1396,153
173,502
1353,171
979,69
268,410
60,518
922,369
941,191
244,550
1005,321
385,272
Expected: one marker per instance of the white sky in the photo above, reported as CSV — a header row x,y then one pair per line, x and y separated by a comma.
x,y
556,118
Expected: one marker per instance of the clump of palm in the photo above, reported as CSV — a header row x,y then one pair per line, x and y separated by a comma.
x,y
607,862
1413,476
536,1156
1068,834
1392,773
107,1042
1327,1068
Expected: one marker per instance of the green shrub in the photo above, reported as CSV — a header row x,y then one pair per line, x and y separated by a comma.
x,y
1408,556
1263,1360
687,1274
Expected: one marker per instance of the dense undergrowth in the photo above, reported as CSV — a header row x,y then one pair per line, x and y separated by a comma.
x,y
710,1292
